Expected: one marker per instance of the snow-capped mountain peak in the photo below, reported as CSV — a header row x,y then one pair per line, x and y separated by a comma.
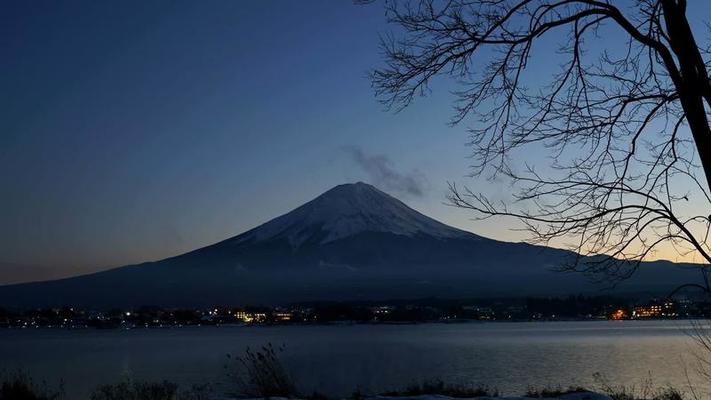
x,y
347,210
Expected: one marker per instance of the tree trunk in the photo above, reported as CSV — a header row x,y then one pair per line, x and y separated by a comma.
x,y
694,78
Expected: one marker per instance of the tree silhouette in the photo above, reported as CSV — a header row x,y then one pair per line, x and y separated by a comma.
x,y
624,121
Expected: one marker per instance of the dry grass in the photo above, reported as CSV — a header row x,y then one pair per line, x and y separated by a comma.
x,y
135,390
261,374
438,387
552,392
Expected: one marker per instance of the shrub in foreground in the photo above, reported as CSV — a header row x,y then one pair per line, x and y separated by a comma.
x,y
21,387
438,387
261,374
132,390
553,392
644,391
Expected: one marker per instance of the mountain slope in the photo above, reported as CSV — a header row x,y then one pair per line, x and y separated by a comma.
x,y
347,210
352,242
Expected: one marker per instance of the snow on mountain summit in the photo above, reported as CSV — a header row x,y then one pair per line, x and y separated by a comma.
x,y
347,210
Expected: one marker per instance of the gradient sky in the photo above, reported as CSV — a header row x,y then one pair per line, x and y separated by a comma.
x,y
132,131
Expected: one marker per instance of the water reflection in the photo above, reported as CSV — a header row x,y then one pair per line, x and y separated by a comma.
x,y
338,359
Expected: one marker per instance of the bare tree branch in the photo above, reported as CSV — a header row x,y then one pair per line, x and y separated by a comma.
x,y
626,128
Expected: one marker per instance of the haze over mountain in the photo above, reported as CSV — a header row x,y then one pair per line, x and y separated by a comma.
x,y
353,242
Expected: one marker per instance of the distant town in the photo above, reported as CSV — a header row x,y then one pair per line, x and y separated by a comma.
x,y
427,310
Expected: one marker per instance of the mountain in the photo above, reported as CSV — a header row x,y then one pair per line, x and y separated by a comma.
x,y
346,211
353,242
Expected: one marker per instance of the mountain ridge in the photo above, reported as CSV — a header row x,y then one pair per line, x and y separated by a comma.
x,y
353,242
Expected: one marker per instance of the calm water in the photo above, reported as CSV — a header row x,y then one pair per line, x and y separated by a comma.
x,y
337,359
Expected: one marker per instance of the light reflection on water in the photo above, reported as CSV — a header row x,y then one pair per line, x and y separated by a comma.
x,y
338,359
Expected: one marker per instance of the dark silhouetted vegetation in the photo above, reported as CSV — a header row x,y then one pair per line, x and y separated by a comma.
x,y
552,392
438,387
136,390
643,391
261,374
19,386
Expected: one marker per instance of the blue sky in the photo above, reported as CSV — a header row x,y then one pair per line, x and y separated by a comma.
x,y
137,131
133,131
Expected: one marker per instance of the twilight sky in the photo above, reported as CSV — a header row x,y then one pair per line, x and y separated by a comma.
x,y
132,131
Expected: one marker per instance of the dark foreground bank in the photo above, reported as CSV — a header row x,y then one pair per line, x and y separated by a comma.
x,y
260,373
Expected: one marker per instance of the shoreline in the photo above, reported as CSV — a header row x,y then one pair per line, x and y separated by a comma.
x,y
341,324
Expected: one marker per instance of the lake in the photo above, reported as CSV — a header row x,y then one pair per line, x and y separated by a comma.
x,y
336,359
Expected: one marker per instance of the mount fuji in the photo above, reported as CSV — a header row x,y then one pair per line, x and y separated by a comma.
x,y
353,242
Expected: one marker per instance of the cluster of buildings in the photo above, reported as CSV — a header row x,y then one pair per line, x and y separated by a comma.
x,y
531,309
148,317
656,309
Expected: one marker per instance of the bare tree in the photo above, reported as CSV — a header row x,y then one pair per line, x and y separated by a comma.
x,y
623,121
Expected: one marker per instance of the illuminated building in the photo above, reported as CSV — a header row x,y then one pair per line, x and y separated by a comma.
x,y
655,310
282,316
618,314
250,316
